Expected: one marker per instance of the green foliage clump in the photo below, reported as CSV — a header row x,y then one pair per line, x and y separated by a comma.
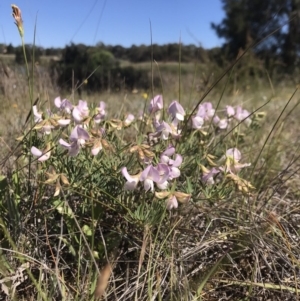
x,y
31,52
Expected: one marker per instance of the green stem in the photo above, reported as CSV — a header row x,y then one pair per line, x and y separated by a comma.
x,y
30,87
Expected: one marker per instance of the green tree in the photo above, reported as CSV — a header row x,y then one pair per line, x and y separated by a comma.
x,y
53,51
291,41
100,63
82,64
247,21
70,69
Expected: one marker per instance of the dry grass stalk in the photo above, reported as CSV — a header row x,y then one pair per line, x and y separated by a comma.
x,y
103,280
17,15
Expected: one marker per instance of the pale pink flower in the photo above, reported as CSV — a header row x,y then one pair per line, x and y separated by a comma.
x,y
220,123
132,180
101,112
81,111
156,104
42,155
173,198
156,120
64,122
46,129
208,175
164,130
63,105
164,175
128,120
172,202
242,115
149,175
197,122
38,117
230,111
206,110
173,164
233,156
176,111
78,138
97,147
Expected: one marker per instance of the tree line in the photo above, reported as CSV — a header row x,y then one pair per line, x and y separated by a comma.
x,y
100,67
171,52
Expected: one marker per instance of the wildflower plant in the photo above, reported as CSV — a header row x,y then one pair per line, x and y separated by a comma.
x,y
70,135
81,130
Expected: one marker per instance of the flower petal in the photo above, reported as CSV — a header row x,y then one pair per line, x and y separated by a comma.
x,y
36,152
197,122
96,148
169,151
64,122
41,156
63,143
175,173
163,186
176,110
151,173
148,185
156,104
178,160
57,102
234,153
230,111
172,203
74,149
164,173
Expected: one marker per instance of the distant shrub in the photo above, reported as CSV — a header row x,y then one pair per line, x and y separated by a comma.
x,y
19,58
131,78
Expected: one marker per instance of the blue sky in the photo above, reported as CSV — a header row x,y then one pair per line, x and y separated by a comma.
x,y
123,22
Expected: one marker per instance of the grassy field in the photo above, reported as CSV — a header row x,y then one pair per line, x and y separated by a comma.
x,y
70,229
